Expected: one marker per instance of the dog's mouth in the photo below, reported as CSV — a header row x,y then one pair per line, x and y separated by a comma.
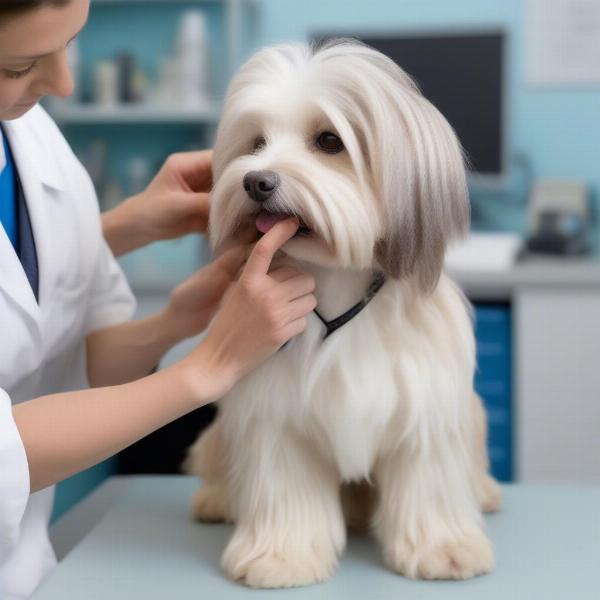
x,y
265,220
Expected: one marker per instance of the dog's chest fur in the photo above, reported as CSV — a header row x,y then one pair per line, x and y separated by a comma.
x,y
339,393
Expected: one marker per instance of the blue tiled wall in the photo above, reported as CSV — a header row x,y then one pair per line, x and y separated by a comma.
x,y
493,382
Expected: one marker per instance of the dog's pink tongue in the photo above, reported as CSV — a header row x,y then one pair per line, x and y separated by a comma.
x,y
265,220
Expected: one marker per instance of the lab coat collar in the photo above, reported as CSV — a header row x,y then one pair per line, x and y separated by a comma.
x,y
42,177
30,134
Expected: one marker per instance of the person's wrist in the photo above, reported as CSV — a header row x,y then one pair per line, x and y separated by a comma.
x,y
124,226
171,330
140,223
205,376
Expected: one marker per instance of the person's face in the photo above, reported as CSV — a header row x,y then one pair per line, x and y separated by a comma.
x,y
33,55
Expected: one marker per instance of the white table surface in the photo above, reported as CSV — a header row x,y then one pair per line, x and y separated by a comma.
x,y
547,542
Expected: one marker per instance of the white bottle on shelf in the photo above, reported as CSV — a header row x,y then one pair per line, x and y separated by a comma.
x,y
192,56
106,83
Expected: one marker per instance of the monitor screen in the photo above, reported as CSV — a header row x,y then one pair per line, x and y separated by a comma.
x,y
462,74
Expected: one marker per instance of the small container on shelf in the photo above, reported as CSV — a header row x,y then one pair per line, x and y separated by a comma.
x,y
192,56
106,83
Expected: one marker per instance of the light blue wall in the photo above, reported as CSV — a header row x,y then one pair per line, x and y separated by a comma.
x,y
558,130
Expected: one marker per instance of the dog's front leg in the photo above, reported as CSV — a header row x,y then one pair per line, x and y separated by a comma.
x,y
289,524
427,519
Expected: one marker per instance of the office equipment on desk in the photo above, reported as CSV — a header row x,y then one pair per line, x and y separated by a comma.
x,y
559,217
485,252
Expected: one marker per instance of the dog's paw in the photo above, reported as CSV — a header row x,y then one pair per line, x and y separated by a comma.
x,y
489,493
275,569
211,504
271,571
461,558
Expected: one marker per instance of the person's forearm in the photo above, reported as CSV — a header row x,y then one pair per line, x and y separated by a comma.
x,y
126,352
66,433
121,230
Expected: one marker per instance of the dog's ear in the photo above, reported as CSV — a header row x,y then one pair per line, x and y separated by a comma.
x,y
422,183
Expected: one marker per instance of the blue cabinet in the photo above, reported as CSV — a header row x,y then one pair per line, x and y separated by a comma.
x,y
493,382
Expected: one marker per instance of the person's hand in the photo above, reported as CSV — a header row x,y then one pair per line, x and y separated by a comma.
x,y
260,312
175,203
177,199
194,302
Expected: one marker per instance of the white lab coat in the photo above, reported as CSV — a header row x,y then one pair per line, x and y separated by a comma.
x,y
42,351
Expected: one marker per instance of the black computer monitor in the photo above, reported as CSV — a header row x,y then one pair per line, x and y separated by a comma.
x,y
463,75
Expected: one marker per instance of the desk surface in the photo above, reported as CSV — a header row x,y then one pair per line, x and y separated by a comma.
x,y
567,273
547,541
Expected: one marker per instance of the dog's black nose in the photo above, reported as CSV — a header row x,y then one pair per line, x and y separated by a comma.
x,y
260,185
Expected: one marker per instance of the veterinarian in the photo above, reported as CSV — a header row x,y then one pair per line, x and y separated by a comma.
x,y
65,305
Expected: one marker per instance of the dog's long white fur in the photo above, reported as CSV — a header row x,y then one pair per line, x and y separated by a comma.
x,y
388,398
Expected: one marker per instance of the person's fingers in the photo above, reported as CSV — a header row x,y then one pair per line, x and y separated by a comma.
x,y
294,328
282,274
297,286
202,201
260,259
195,168
191,204
300,307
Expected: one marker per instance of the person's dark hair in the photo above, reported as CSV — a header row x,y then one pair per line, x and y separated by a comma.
x,y
14,7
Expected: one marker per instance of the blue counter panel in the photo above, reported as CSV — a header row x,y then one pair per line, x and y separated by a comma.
x,y
493,382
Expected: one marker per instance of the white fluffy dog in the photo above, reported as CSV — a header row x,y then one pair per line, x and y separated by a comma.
x,y
341,137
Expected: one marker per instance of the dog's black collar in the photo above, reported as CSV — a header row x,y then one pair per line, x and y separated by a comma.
x,y
338,322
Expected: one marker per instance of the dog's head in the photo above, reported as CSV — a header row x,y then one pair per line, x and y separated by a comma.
x,y
341,137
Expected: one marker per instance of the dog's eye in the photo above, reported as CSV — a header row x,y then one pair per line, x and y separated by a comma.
x,y
329,142
259,143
